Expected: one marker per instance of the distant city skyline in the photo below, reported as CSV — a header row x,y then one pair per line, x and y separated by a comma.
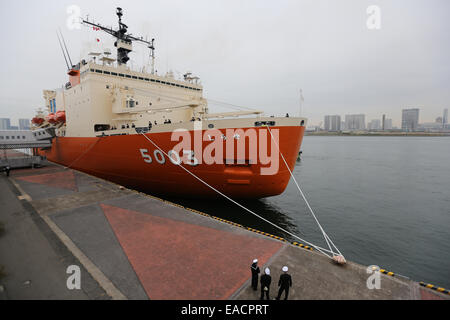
x,y
410,122
22,124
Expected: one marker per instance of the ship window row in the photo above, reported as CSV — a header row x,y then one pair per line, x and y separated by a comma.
x,y
12,137
143,79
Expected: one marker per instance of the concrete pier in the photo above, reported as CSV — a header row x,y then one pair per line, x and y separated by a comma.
x,y
133,246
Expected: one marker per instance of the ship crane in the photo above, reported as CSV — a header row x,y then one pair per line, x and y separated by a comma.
x,y
124,40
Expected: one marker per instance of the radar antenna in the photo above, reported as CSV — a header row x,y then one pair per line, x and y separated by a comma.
x,y
123,39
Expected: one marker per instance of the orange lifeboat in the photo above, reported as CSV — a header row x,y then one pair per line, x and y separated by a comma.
x,y
51,118
60,116
37,121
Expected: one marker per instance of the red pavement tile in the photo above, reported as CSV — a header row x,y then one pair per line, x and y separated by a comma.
x,y
177,260
427,295
63,179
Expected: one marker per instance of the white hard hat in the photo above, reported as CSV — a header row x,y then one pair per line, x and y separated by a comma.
x,y
255,261
267,271
285,269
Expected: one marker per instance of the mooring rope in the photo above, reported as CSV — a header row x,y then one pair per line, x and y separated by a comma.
x,y
320,249
84,153
325,235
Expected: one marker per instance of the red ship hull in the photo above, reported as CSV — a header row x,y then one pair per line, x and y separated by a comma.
x,y
119,159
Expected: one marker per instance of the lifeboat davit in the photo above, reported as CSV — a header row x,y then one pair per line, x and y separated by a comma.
x,y
37,120
60,116
51,118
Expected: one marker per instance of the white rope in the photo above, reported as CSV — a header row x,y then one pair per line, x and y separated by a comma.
x,y
84,153
231,106
174,100
322,250
325,235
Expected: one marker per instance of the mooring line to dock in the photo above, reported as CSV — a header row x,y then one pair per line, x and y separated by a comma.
x,y
320,249
84,153
325,235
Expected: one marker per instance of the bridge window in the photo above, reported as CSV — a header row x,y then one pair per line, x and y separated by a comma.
x,y
130,103
264,123
7,137
114,73
101,127
1,137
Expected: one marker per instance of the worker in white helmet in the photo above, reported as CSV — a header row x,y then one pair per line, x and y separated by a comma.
x,y
266,279
284,283
255,271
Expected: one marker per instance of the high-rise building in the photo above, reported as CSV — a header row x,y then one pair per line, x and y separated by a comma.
x,y
387,124
374,124
445,117
332,123
410,119
5,124
24,124
355,122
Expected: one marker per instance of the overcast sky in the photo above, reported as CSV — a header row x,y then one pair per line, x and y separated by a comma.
x,y
251,53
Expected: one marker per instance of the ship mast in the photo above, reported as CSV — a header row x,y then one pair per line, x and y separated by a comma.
x,y
123,39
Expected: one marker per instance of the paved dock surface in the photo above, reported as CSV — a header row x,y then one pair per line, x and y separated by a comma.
x,y
133,246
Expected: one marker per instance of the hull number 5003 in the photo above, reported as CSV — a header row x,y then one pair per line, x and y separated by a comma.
x,y
174,157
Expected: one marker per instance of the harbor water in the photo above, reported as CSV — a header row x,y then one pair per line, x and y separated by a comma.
x,y
382,200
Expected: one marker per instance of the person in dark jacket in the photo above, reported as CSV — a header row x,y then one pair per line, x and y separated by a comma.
x,y
284,283
266,279
255,271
